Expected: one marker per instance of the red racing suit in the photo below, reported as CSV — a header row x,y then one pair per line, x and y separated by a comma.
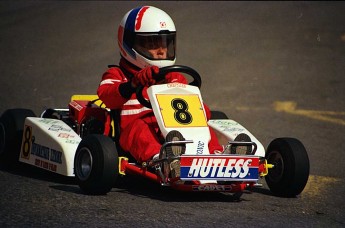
x,y
140,133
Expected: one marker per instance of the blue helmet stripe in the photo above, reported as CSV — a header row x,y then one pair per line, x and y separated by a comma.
x,y
129,30
130,23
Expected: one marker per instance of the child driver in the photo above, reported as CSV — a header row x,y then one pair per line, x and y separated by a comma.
x,y
147,41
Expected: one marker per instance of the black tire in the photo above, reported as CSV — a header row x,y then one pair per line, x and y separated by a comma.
x,y
96,164
218,115
51,114
11,133
290,173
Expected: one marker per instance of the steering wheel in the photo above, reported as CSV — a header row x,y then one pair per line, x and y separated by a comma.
x,y
161,75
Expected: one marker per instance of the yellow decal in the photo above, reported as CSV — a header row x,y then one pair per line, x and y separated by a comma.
x,y
181,110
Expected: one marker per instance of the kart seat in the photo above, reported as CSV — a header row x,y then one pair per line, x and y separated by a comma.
x,y
115,115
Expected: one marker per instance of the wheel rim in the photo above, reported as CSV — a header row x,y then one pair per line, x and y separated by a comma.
x,y
276,174
2,138
84,164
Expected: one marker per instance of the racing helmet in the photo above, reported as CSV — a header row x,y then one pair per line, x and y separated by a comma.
x,y
145,28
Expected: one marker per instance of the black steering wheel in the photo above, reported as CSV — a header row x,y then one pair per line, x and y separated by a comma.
x,y
161,75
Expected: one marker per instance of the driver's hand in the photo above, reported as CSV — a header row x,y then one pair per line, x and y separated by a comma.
x,y
175,77
145,76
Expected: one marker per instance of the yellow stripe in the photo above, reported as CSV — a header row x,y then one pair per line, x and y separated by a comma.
x,y
318,186
291,108
86,98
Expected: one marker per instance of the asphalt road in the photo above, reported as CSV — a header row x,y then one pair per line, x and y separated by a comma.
x,y
275,67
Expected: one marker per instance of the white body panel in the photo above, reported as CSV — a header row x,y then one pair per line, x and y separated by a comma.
x,y
162,97
49,144
227,130
198,132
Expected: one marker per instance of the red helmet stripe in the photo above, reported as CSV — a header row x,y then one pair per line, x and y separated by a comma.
x,y
140,17
119,38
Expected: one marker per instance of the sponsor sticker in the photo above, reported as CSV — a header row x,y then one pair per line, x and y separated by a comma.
x,y
224,167
76,105
57,128
42,153
65,135
211,188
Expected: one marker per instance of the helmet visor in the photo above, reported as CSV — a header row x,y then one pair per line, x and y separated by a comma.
x,y
156,46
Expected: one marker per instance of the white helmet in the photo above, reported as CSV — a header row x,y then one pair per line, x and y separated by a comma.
x,y
145,28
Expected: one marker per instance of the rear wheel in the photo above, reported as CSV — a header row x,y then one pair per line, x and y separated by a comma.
x,y
290,173
11,133
218,115
96,164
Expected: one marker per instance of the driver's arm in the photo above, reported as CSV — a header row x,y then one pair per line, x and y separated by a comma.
x,y
114,89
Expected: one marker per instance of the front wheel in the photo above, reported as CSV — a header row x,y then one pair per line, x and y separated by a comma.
x,y
290,173
96,164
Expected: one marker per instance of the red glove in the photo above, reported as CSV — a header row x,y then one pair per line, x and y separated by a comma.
x,y
145,76
175,77
170,78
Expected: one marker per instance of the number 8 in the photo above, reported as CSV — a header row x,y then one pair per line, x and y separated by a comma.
x,y
181,114
26,143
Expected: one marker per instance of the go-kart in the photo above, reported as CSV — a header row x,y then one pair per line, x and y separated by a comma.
x,y
82,141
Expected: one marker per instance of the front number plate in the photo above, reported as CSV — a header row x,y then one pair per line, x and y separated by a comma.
x,y
181,110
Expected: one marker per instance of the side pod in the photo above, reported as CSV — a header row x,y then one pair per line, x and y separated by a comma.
x,y
49,144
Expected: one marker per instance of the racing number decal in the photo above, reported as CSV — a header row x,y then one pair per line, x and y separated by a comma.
x,y
26,145
184,111
181,114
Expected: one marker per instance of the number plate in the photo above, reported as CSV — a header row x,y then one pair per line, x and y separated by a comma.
x,y
181,110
